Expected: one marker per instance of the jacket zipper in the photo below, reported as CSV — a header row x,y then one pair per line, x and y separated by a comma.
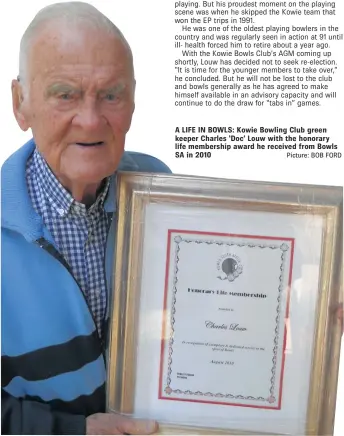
x,y
49,248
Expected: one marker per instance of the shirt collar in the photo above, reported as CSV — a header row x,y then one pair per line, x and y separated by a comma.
x,y
58,196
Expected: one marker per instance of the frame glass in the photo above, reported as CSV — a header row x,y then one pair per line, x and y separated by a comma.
x,y
222,317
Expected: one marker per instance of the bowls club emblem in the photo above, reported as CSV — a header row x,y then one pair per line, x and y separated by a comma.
x,y
230,267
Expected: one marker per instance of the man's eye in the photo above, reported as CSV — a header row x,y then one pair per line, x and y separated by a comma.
x,y
65,96
110,97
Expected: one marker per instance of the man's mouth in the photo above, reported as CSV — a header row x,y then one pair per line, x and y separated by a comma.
x,y
90,144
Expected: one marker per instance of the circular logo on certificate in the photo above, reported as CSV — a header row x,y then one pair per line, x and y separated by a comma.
x,y
230,267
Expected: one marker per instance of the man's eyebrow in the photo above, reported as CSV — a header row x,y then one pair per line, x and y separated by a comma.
x,y
57,88
113,89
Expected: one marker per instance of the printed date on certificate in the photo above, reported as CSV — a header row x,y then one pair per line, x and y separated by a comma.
x,y
224,327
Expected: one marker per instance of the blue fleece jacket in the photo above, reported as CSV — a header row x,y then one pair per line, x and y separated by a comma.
x,y
53,365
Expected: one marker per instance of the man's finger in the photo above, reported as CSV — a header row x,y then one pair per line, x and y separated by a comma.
x,y
137,426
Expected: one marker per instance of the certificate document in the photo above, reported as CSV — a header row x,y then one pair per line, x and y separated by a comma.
x,y
222,318
226,310
226,302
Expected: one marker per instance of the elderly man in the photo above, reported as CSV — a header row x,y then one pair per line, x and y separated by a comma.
x,y
75,91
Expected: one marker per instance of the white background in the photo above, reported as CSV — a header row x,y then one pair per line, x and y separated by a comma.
x,y
149,27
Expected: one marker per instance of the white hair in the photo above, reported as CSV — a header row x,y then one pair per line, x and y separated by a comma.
x,y
72,13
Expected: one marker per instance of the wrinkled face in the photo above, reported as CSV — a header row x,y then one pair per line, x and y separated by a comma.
x,y
79,103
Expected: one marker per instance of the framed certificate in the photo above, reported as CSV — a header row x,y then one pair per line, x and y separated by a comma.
x,y
223,315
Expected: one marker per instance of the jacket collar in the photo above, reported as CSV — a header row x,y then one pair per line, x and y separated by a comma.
x,y
17,212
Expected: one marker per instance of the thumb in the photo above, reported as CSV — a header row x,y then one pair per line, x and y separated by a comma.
x,y
137,426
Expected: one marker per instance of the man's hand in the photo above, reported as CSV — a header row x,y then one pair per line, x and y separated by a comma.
x,y
114,424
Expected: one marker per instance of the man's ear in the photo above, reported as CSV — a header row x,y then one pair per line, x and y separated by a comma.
x,y
19,105
131,118
133,106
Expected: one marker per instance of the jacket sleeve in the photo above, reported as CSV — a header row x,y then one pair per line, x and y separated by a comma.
x,y
20,416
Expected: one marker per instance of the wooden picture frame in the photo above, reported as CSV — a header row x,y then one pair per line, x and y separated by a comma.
x,y
159,212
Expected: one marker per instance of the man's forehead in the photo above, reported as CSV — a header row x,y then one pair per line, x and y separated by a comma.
x,y
78,44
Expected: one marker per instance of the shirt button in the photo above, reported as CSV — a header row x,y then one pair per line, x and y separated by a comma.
x,y
61,212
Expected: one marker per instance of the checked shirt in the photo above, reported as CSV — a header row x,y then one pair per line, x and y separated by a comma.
x,y
78,232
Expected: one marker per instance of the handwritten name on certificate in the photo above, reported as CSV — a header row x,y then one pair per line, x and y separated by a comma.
x,y
226,308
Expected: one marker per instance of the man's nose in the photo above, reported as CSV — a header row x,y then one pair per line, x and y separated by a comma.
x,y
89,116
